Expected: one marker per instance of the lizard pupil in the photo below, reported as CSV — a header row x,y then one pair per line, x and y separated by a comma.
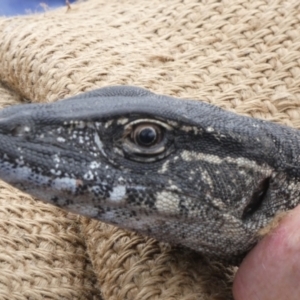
x,y
146,136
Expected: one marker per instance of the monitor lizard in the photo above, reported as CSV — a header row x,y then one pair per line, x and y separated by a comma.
x,y
182,171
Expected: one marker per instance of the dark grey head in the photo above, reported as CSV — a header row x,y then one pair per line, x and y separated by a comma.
x,y
181,171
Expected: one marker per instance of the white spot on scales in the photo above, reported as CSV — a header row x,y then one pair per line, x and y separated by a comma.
x,y
118,193
88,176
167,202
99,144
94,165
122,121
61,139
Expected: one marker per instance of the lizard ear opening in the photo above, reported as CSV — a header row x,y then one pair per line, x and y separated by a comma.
x,y
257,198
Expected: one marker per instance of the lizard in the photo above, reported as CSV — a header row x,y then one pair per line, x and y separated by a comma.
x,y
182,171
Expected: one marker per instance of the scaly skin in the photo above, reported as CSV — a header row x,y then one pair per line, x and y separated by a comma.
x,y
181,171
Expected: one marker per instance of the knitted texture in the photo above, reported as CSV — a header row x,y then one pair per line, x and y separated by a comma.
x,y
241,55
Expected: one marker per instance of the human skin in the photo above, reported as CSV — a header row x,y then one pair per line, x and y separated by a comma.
x,y
271,271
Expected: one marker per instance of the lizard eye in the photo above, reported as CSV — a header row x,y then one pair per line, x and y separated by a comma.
x,y
147,140
146,135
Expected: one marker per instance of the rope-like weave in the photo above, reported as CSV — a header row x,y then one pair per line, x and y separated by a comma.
x,y
242,55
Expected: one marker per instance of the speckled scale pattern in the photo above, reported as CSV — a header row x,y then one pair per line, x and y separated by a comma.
x,y
217,181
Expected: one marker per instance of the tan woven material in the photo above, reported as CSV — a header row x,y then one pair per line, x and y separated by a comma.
x,y
242,55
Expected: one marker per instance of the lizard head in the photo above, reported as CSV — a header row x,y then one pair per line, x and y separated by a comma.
x,y
181,171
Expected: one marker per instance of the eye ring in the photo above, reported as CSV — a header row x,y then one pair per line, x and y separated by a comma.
x,y
147,140
146,135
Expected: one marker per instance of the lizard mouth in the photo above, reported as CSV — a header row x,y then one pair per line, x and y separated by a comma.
x,y
257,198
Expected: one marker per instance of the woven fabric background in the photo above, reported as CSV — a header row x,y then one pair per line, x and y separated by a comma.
x,y
242,55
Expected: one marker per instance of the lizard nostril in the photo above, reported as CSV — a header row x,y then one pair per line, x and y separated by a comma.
x,y
257,198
